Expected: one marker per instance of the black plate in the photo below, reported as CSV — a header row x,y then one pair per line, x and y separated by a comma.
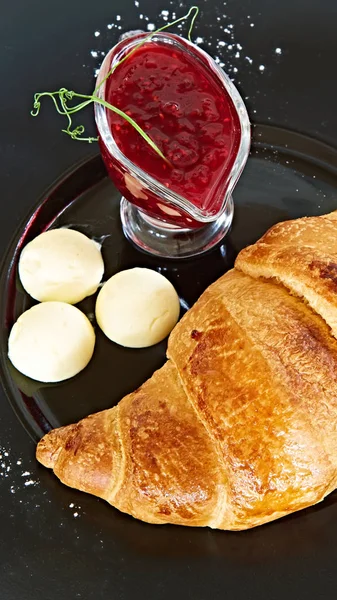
x,y
56,542
288,175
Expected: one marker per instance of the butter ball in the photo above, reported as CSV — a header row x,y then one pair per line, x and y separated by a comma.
x,y
137,308
62,265
51,342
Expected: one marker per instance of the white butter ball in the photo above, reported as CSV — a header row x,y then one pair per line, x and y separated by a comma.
x,y
137,308
51,342
62,265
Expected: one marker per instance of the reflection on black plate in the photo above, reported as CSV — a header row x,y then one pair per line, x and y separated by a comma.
x,y
287,176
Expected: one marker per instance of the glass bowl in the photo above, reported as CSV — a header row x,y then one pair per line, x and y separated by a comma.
x,y
155,218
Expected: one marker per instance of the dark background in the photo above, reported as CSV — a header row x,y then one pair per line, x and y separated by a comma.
x,y
46,552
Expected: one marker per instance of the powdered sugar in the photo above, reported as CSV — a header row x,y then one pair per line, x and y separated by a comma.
x,y
10,465
21,481
225,38
75,509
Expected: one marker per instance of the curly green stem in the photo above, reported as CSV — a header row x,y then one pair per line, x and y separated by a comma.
x,y
61,97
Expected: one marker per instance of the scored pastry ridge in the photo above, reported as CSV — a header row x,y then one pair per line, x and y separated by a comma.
x,y
239,426
271,392
302,255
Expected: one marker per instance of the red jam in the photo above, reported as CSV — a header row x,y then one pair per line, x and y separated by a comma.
x,y
184,108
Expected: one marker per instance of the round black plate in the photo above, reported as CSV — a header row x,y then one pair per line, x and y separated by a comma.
x,y
287,176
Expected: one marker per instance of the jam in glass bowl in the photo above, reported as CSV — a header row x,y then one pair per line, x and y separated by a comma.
x,y
182,205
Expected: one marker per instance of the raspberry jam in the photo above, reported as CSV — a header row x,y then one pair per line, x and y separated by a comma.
x,y
175,97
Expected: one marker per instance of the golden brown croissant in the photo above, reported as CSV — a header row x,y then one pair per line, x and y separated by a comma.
x,y
301,254
238,428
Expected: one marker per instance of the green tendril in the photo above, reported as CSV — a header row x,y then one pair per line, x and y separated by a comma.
x,y
62,96
196,12
60,99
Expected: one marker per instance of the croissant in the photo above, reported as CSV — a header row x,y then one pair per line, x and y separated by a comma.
x,y
301,254
238,428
